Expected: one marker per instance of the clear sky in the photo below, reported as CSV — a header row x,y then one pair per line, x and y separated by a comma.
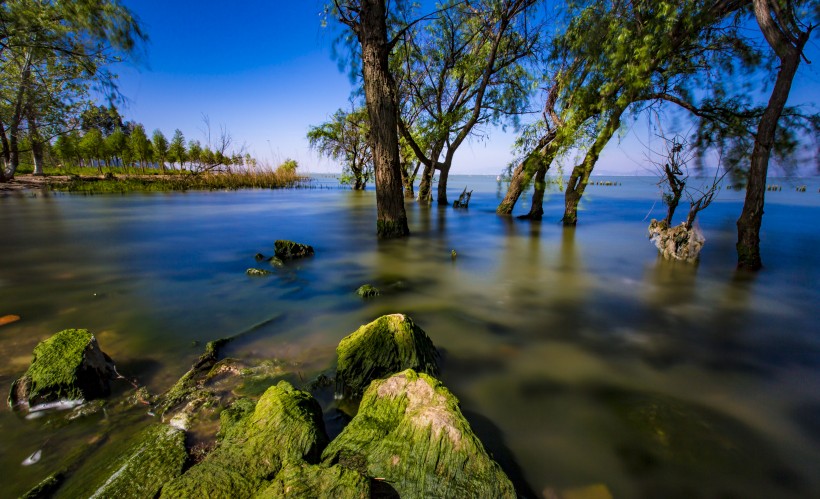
x,y
264,69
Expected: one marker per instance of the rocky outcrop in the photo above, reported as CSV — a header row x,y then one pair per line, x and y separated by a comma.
x,y
390,344
66,366
410,433
285,426
678,242
367,291
289,250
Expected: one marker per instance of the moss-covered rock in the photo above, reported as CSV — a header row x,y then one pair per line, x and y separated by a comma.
x,y
410,432
258,272
285,426
137,468
367,291
390,344
289,250
68,365
310,481
678,242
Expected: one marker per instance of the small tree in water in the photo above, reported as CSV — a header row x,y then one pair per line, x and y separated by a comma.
x,y
684,241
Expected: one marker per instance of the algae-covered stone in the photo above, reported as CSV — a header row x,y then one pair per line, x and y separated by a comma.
x,y
138,468
289,250
310,481
678,242
285,426
68,365
258,272
390,344
410,432
367,291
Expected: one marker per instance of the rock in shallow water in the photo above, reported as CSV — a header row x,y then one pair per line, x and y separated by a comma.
x,y
66,366
390,344
289,250
410,432
678,242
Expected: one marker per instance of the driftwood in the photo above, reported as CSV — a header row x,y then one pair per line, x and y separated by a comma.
x,y
463,200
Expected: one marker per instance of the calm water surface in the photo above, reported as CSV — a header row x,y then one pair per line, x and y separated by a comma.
x,y
579,356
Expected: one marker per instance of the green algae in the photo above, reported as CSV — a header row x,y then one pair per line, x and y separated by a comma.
x,y
410,432
289,250
137,468
68,365
285,426
317,482
367,291
390,344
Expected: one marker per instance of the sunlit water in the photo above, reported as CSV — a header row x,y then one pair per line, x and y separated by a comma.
x,y
579,356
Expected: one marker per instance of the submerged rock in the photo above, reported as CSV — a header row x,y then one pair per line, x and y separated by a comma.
x,y
137,468
289,250
678,242
367,291
258,272
67,366
390,344
284,426
410,432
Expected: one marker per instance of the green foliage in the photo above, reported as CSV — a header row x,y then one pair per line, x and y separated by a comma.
x,y
288,166
345,139
176,150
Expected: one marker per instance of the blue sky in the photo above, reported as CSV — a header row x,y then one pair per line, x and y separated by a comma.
x,y
264,70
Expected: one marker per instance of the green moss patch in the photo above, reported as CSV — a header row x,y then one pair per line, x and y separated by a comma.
x,y
317,482
390,344
289,250
410,432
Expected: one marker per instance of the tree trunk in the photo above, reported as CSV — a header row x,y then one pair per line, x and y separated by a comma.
x,y
751,218
543,154
36,141
4,142
379,90
444,173
580,173
539,186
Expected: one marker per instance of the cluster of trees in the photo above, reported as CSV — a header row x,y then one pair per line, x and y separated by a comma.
x,y
104,139
431,82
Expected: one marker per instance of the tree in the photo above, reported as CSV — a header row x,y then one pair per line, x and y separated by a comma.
x,y
65,148
344,139
787,35
140,146
116,144
92,147
176,151
160,145
367,19
194,154
462,71
50,54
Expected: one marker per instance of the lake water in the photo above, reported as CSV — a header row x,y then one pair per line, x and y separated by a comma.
x,y
579,356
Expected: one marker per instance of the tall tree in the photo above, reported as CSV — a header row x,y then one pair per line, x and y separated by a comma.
x,y
160,145
92,147
367,19
787,35
462,71
140,146
176,151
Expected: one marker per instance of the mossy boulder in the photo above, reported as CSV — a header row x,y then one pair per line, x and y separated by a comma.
x,y
285,426
137,468
311,481
676,243
367,291
410,432
68,365
253,272
289,250
390,344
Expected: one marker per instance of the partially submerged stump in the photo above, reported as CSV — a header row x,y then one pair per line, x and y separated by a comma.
x,y
285,426
463,200
289,250
67,366
367,291
676,243
410,432
390,344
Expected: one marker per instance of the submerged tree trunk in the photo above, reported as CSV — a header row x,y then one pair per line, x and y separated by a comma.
x,y
444,173
751,218
539,186
580,173
541,156
379,90
408,180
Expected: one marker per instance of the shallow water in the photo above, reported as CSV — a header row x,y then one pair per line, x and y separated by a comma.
x,y
579,356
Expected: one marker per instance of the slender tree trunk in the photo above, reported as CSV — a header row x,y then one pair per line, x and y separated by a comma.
x,y
751,218
542,155
36,141
580,173
444,173
4,141
408,180
539,186
379,91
